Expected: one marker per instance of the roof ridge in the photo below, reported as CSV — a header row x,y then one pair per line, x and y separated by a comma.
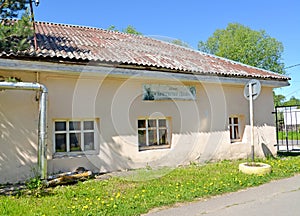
x,y
88,27
65,24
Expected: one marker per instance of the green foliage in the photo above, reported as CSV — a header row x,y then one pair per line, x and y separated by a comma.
x,y
14,34
278,99
112,28
129,29
10,8
10,79
35,187
240,43
126,196
291,135
292,101
180,43
34,183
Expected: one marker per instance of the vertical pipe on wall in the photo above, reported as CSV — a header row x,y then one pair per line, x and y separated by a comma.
x,y
37,97
42,144
42,133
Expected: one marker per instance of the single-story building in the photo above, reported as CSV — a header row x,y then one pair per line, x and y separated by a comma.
x,y
120,101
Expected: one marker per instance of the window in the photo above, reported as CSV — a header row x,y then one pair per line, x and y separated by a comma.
x,y
235,128
74,135
153,133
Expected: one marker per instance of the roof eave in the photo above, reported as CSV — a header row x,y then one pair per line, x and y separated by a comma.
x,y
123,70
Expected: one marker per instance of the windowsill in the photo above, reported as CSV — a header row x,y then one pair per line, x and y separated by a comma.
x,y
73,154
238,142
154,147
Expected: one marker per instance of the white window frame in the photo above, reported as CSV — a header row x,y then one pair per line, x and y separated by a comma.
x,y
232,126
149,146
82,131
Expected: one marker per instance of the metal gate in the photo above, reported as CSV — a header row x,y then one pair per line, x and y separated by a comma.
x,y
288,129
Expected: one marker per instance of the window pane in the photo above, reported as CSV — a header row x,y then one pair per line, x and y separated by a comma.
x,y
236,132
152,123
236,120
152,133
231,135
60,126
141,123
88,125
74,125
75,142
60,142
162,123
142,137
230,120
163,137
152,137
89,141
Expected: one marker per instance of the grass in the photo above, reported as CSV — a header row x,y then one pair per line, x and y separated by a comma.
x,y
144,189
292,135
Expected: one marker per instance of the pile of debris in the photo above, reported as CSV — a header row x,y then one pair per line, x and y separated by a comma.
x,y
66,178
80,174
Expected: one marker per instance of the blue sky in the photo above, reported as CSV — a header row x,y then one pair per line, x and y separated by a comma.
x,y
189,21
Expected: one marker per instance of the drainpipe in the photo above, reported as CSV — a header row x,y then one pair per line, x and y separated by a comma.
x,y
42,134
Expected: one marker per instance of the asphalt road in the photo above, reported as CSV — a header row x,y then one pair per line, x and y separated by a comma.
x,y
277,198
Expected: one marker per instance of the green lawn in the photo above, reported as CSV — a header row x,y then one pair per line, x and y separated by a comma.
x,y
143,190
292,135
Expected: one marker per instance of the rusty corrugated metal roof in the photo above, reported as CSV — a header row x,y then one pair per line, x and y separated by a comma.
x,y
78,43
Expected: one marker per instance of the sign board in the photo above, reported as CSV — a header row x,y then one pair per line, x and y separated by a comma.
x,y
256,88
168,92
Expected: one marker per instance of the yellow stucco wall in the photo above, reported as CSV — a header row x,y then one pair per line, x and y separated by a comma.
x,y
199,128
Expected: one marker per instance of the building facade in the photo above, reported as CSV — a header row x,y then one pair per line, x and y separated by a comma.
x,y
104,114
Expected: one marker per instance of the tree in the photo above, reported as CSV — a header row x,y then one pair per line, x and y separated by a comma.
x,y
240,43
292,102
278,99
112,28
14,34
129,29
180,43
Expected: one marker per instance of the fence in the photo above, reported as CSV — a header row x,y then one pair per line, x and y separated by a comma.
x,y
288,128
